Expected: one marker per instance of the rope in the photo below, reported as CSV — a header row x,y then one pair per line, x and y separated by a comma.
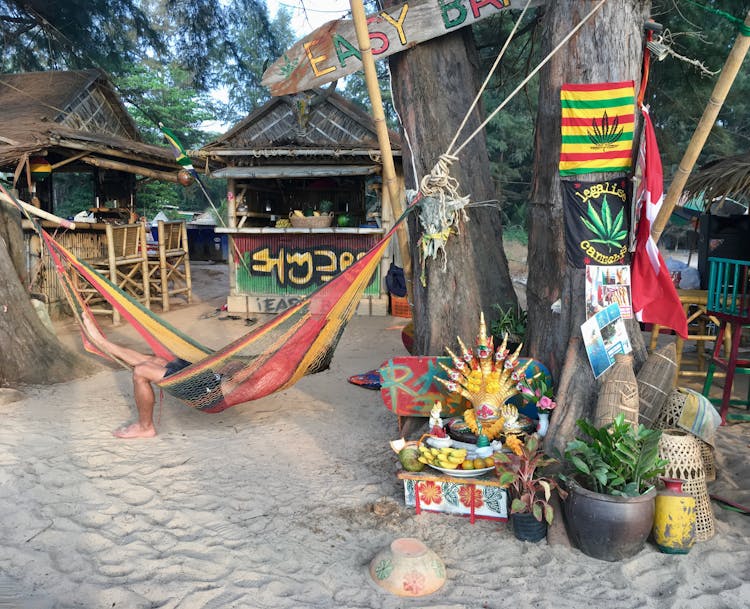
x,y
743,27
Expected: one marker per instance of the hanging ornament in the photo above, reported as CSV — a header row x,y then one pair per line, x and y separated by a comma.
x,y
185,178
40,168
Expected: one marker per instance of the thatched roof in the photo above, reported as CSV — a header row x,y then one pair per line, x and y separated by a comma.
x,y
72,113
727,177
302,132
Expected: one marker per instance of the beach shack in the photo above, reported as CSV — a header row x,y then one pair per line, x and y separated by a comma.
x,y
305,199
63,122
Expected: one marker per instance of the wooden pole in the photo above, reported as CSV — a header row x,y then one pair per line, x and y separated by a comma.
x,y
721,89
389,170
45,215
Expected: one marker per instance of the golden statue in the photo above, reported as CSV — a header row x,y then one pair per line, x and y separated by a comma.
x,y
487,378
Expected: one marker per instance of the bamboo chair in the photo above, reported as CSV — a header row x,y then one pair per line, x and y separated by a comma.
x,y
126,265
169,270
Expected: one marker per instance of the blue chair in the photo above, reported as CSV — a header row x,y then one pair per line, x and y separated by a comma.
x,y
729,302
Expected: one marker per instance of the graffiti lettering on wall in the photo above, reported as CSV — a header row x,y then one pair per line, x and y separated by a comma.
x,y
276,304
300,269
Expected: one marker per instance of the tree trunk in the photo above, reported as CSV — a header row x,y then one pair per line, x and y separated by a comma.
x,y
609,48
30,353
433,85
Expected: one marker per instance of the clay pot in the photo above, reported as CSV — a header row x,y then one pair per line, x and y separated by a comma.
x,y
408,568
608,527
674,518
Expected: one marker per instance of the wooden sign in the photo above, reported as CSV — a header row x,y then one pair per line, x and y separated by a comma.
x,y
331,52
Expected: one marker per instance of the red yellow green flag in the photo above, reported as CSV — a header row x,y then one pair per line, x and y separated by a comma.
x,y
597,127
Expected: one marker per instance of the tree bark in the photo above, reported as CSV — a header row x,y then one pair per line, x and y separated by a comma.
x,y
30,352
609,48
433,85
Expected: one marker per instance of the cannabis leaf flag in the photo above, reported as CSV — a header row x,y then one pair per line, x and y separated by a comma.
x,y
596,221
597,127
655,298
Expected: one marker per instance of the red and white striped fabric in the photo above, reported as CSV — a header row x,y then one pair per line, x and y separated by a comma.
x,y
655,298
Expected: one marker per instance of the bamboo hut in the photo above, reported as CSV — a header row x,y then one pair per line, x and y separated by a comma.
x,y
312,152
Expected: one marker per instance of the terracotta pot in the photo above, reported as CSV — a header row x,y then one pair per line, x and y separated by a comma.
x,y
527,528
608,527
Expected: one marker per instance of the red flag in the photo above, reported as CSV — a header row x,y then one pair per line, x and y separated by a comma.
x,y
655,298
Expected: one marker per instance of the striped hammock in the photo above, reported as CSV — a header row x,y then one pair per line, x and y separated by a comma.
x,y
271,358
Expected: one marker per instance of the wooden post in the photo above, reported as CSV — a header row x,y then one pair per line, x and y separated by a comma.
x,y
389,171
723,84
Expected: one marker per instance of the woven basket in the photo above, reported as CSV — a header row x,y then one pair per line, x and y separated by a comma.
x,y
655,380
618,393
669,417
682,450
322,221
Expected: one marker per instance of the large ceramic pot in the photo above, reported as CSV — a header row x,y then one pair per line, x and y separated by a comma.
x,y
608,527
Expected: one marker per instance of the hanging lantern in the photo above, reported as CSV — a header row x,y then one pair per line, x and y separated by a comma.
x,y
40,168
185,178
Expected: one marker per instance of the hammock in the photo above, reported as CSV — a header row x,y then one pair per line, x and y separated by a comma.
x,y
297,342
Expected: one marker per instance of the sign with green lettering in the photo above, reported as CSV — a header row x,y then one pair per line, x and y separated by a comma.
x,y
331,51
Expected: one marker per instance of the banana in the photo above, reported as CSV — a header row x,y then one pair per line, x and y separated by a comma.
x,y
447,465
298,213
316,213
455,459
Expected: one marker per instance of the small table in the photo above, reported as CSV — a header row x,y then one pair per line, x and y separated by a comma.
x,y
475,496
695,305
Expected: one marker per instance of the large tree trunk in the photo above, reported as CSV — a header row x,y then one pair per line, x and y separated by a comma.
x,y
607,49
433,86
30,352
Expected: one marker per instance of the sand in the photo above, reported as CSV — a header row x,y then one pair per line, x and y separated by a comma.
x,y
282,503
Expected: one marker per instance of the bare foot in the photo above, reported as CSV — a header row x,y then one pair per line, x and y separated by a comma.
x,y
134,431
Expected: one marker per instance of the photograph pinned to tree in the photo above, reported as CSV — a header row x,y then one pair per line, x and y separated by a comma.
x,y
606,285
604,336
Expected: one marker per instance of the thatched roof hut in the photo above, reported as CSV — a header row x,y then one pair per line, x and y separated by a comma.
x,y
76,120
726,177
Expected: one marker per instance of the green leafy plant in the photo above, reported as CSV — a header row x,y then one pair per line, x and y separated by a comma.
x,y
512,321
617,459
325,206
529,492
608,230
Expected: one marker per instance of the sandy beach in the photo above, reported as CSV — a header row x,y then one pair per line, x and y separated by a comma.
x,y
282,503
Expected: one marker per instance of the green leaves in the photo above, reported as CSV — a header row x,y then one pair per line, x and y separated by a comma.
x,y
609,231
607,134
618,458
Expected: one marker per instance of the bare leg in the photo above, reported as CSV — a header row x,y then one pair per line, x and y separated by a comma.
x,y
143,375
146,369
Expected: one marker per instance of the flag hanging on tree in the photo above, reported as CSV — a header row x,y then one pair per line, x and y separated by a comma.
x,y
597,127
655,298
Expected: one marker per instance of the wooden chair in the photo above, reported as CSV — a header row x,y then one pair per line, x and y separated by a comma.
x,y
125,264
169,269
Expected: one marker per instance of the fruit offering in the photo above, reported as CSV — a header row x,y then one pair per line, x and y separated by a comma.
x,y
447,458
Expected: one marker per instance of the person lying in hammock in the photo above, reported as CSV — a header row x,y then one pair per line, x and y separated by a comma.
x,y
147,369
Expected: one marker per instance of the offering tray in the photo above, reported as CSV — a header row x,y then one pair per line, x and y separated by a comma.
x,y
462,473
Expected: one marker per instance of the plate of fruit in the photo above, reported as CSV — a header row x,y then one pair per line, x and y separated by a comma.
x,y
457,462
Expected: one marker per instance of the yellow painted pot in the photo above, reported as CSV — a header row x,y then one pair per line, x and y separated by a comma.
x,y
674,518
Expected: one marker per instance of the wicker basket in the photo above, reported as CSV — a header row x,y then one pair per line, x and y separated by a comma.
x,y
618,393
656,379
682,450
322,221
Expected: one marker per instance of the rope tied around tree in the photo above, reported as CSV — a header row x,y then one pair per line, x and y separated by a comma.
x,y
743,27
441,209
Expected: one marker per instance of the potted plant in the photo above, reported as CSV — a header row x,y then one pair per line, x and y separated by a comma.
x,y
529,492
609,511
512,321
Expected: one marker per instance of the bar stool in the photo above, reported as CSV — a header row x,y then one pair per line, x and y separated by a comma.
x,y
169,268
729,301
